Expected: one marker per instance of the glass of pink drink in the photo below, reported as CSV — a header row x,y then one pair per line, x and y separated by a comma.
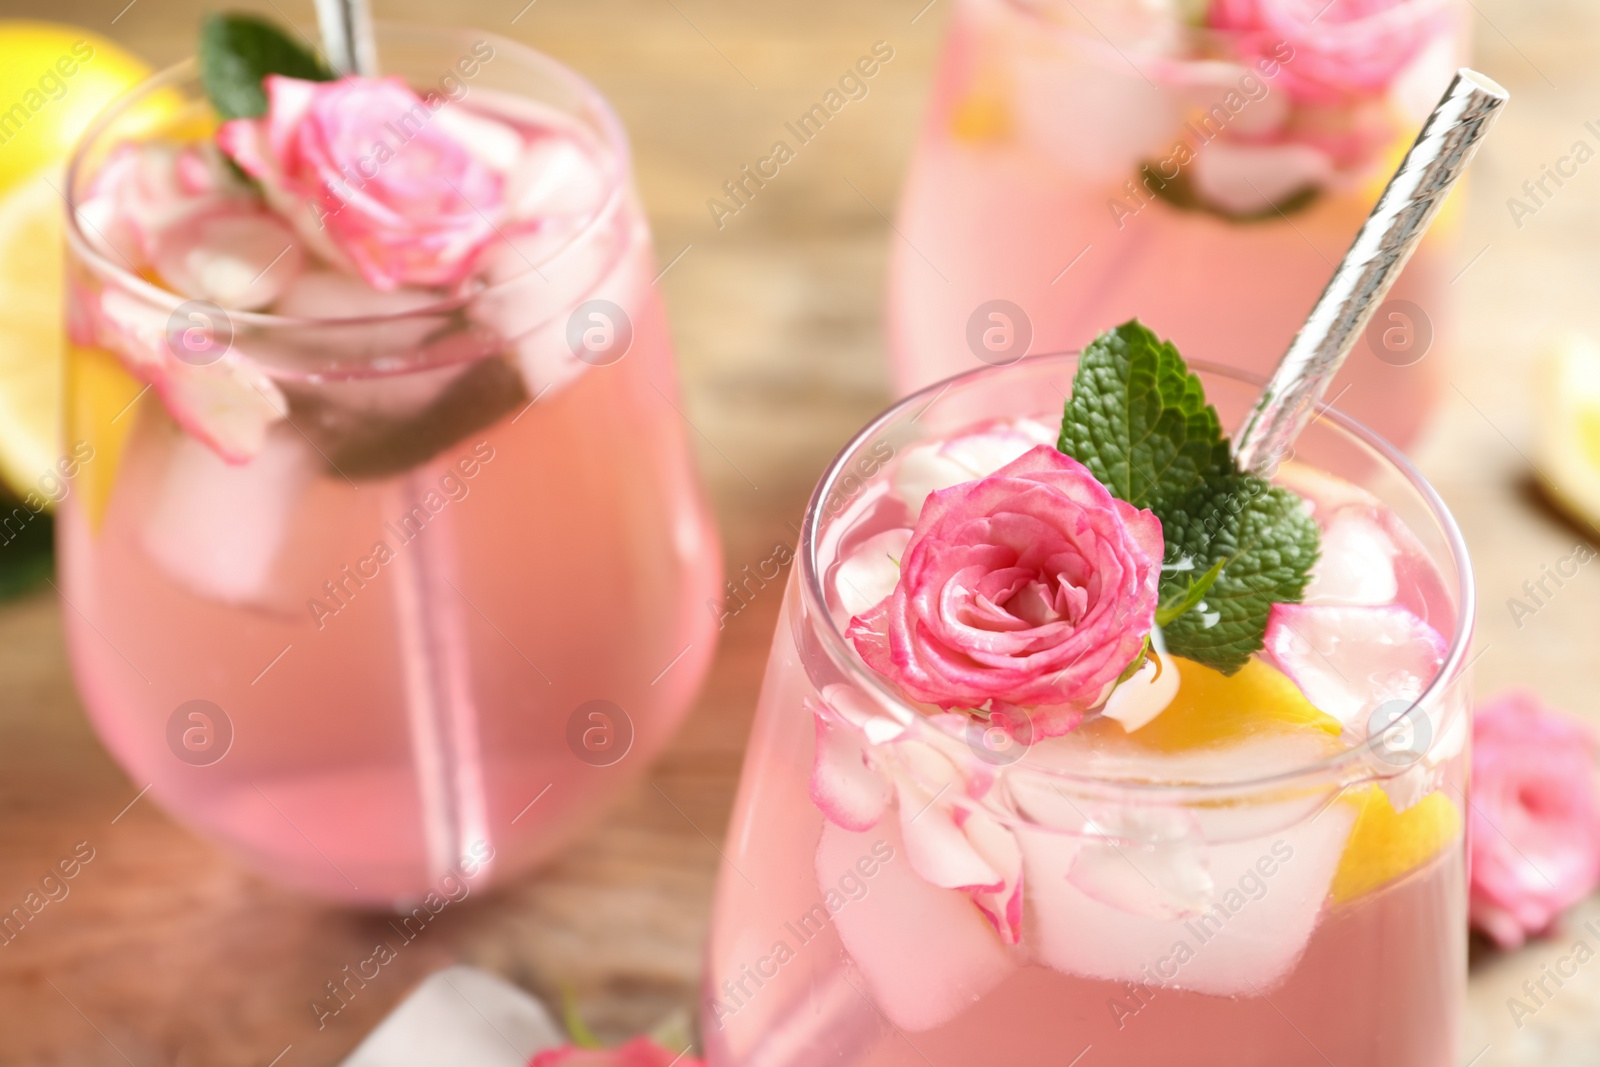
x,y
1268,871
1083,163
379,584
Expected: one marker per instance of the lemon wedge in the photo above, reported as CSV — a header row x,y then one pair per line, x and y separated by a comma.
x,y
54,81
1213,709
60,77
1567,441
1385,844
31,332
100,414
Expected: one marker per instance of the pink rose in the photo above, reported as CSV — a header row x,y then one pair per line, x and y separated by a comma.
x,y
1350,47
1534,829
1033,587
640,1052
364,169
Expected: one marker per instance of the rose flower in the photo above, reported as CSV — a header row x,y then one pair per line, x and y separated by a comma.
x,y
368,173
1534,822
1032,587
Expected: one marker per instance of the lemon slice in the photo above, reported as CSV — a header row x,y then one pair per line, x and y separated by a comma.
x,y
1385,844
1567,441
1213,708
31,332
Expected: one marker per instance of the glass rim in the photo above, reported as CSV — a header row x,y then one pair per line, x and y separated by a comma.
x,y
845,658
612,134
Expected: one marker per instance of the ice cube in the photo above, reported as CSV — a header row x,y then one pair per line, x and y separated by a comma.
x,y
1266,894
1420,759
236,257
456,1016
542,281
1247,179
1132,119
555,177
1357,563
218,527
1324,492
1145,860
491,142
334,295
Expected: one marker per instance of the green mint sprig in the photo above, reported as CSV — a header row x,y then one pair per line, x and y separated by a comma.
x,y
1235,544
237,51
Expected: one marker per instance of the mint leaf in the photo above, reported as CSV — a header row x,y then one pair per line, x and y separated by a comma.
x,y
1186,598
1139,420
237,51
1235,544
1261,541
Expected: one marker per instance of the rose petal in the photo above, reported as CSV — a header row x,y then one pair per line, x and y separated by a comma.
x,y
868,575
925,953
1350,660
1137,701
845,787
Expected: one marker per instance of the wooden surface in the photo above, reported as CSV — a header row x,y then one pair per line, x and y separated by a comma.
x,y
167,953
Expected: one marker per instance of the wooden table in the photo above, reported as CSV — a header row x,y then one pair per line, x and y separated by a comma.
x,y
167,953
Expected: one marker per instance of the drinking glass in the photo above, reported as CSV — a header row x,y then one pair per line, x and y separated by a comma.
x,y
1085,163
1257,906
455,602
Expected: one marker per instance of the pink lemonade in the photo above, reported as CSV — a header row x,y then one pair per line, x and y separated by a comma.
x,y
1062,182
434,602
1263,873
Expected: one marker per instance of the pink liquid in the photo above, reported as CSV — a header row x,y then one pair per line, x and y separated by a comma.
x,y
403,647
831,945
1377,985
990,214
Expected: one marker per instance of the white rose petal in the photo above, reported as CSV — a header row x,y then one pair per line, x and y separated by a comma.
x,y
869,574
1144,696
927,468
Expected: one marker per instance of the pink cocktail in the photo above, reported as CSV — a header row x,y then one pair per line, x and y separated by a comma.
x,y
379,583
1267,870
1084,163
